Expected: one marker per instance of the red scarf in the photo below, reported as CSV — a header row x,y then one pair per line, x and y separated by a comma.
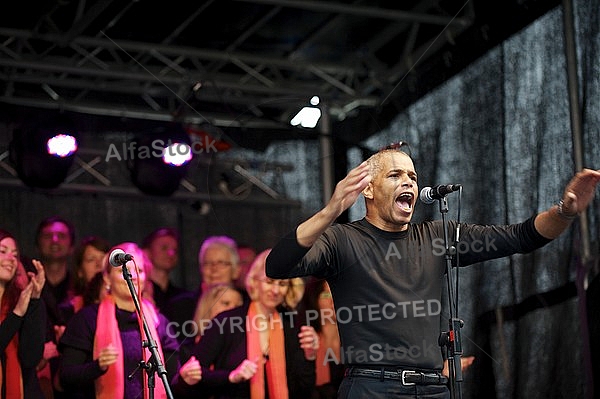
x,y
14,378
111,384
275,364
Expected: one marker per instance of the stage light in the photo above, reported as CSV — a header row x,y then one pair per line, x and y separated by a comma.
x,y
308,116
42,155
161,160
62,145
177,154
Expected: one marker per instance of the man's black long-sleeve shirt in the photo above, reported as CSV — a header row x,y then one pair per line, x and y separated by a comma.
x,y
387,286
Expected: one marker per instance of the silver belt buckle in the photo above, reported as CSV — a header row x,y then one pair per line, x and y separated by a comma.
x,y
404,376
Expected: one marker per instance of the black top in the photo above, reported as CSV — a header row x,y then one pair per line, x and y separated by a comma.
x,y
387,286
177,305
52,296
78,370
31,345
224,346
163,299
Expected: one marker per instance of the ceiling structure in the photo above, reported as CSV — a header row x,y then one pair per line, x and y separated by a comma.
x,y
242,66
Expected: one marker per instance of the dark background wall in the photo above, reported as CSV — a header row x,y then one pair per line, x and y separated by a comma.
x,y
502,129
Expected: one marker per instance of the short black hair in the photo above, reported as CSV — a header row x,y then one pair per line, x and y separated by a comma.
x,y
160,232
55,219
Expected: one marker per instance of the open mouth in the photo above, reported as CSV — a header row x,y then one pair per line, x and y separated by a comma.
x,y
405,201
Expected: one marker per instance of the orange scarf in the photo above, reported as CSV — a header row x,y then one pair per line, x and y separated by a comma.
x,y
323,372
111,384
322,364
275,364
14,378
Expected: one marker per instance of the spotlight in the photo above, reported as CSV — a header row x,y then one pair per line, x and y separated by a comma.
x,y
177,154
62,145
161,161
43,155
308,116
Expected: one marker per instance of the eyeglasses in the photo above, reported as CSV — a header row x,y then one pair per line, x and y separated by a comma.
x,y
219,264
270,282
399,145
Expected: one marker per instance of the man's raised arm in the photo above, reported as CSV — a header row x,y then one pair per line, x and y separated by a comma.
x,y
292,247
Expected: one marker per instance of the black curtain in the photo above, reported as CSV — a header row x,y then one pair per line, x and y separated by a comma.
x,y
501,128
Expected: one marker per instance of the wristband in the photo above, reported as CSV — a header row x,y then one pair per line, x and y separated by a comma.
x,y
562,214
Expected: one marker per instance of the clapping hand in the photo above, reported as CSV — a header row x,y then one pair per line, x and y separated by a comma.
x,y
32,290
309,342
38,279
244,371
107,356
23,302
191,371
465,363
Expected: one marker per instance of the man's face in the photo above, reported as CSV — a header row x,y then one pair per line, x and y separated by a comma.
x,y
163,252
54,242
392,193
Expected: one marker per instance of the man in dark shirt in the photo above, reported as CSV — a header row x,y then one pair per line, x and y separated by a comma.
x,y
161,247
55,241
387,274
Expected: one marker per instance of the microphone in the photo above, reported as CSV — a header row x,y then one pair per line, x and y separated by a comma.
x,y
430,194
118,258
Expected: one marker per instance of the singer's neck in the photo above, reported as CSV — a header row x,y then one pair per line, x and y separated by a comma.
x,y
125,304
385,225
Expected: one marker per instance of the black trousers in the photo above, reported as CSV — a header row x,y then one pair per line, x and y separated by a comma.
x,y
372,388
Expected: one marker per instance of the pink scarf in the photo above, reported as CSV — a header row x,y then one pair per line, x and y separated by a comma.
x,y
111,384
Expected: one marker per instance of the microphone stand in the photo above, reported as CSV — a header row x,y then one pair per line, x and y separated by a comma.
x,y
154,363
450,340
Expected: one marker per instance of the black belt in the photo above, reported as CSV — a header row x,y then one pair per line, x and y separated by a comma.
x,y
407,377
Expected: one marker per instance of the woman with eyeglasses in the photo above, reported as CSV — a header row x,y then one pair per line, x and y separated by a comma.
x,y
256,350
